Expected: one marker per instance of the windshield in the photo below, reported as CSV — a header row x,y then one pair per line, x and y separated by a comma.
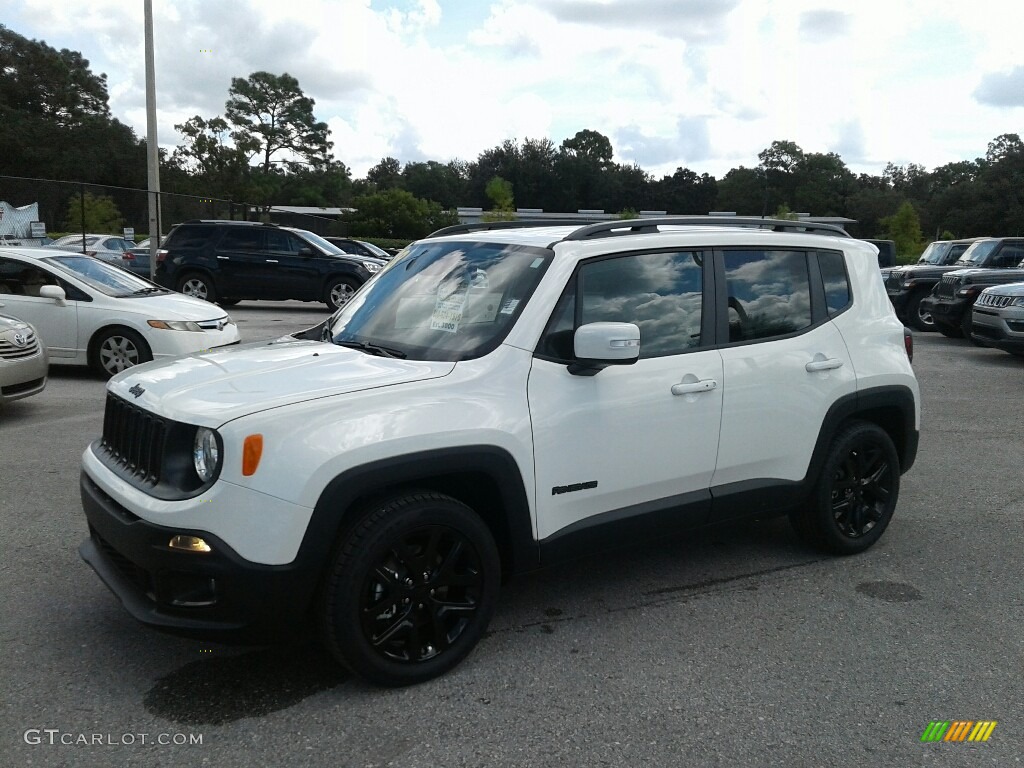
x,y
443,301
376,251
105,278
935,252
978,252
319,242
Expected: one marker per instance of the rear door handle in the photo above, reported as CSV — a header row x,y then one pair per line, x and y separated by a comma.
x,y
271,261
226,258
693,387
822,363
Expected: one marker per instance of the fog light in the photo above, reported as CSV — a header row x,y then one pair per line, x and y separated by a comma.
x,y
189,544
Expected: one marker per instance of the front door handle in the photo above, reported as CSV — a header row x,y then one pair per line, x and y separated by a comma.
x,y
693,387
822,363
271,261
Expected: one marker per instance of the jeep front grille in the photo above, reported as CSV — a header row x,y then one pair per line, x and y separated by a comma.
x,y
994,300
134,438
946,287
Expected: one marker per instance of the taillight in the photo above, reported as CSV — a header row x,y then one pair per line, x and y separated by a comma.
x,y
161,254
128,256
908,343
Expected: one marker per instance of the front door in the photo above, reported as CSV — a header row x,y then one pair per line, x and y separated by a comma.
x,y
632,438
57,326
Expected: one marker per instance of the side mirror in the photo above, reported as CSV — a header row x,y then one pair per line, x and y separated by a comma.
x,y
54,292
598,345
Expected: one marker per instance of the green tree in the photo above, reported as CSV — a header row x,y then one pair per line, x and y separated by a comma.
x,y
387,174
499,191
783,212
100,214
270,113
904,228
395,213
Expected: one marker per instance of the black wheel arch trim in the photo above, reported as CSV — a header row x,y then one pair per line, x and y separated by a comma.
x,y
446,470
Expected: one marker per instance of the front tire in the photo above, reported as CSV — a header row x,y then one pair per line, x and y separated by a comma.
x,y
919,317
411,589
855,494
198,286
339,291
118,349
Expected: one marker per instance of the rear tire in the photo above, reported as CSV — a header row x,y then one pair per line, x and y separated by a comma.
x,y
411,589
855,494
198,286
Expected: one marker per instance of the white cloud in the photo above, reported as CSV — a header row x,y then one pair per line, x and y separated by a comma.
x,y
705,84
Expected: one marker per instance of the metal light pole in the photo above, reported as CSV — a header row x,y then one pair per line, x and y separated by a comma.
x,y
152,148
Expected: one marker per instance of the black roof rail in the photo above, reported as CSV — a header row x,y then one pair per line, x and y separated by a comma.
x,y
637,226
480,226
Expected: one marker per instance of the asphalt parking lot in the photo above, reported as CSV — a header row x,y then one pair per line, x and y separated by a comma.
x,y
733,647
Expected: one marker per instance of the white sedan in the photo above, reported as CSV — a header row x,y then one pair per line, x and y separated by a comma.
x,y
90,313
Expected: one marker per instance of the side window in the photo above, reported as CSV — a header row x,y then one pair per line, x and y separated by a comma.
x,y
281,242
189,237
1011,255
768,293
837,283
241,239
661,293
10,276
22,279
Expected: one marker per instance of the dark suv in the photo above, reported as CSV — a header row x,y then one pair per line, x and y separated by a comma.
x,y
987,262
226,261
907,286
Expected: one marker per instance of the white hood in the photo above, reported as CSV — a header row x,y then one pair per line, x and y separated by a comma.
x,y
174,306
212,388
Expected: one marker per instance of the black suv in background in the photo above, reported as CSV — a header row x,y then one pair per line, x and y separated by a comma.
x,y
907,286
227,261
989,261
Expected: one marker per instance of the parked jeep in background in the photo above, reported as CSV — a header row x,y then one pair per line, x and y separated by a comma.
x,y
998,317
990,261
908,285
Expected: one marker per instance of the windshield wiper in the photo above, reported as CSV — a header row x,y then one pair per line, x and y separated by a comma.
x,y
373,349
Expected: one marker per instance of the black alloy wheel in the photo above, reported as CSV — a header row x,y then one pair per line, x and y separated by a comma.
x,y
856,493
411,590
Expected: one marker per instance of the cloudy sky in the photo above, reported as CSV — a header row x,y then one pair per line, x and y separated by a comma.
x,y
703,84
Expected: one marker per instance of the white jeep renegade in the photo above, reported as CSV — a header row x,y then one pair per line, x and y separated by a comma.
x,y
497,398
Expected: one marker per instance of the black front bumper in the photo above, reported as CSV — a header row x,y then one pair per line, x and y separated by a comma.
x,y
216,595
899,303
947,312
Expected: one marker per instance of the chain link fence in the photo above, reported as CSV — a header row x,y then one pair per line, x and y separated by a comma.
x,y
73,207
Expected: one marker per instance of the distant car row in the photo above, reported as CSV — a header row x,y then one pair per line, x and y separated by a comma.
x,y
971,288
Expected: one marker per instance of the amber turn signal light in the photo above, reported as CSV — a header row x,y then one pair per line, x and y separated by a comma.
x,y
252,450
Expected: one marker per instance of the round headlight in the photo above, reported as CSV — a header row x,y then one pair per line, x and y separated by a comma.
x,y
205,454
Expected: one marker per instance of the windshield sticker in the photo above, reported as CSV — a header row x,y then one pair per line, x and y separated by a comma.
x,y
536,263
447,315
482,307
509,306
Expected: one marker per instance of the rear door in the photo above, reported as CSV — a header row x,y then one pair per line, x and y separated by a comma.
x,y
242,266
785,363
